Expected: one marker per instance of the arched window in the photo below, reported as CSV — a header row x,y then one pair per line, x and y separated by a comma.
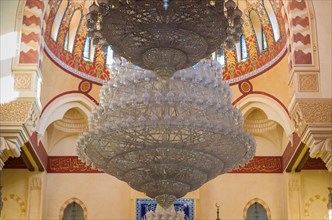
x,y
109,56
244,51
87,48
66,41
72,29
58,19
259,31
73,211
256,212
273,19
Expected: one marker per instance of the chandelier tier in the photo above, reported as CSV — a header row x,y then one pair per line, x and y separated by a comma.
x,y
164,36
166,137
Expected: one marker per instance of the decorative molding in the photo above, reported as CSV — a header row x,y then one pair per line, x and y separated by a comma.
x,y
18,120
323,149
35,183
308,82
72,122
293,184
259,126
20,202
311,200
22,81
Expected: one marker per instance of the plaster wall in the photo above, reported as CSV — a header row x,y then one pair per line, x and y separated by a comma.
x,y
104,196
323,17
8,47
234,191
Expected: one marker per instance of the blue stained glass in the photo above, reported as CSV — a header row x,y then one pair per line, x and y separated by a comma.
x,y
145,205
244,51
86,51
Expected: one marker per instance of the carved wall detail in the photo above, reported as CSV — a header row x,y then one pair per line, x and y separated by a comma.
x,y
313,122
308,112
18,120
35,183
23,81
310,201
293,184
19,201
308,83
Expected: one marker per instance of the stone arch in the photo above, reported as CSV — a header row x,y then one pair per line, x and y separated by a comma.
x,y
310,201
261,202
32,21
20,202
69,201
303,36
273,110
60,105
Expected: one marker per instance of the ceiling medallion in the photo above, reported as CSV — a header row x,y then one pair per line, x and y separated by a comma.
x,y
164,36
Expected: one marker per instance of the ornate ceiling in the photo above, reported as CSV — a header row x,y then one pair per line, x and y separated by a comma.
x,y
263,45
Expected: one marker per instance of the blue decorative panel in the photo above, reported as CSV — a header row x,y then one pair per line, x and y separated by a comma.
x,y
145,205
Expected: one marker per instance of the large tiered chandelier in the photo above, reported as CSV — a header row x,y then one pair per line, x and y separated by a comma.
x,y
165,123
166,137
164,36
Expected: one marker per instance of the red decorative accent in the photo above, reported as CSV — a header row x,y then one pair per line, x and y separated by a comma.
x,y
245,87
265,94
35,3
30,37
261,165
296,4
290,150
65,93
39,149
29,57
314,164
303,39
302,58
68,164
15,163
31,20
302,21
85,86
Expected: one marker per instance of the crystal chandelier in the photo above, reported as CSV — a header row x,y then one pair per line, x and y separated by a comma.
x,y
164,36
166,137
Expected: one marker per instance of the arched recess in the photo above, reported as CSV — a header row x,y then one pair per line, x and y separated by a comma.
x,y
273,110
77,201
57,109
259,201
312,200
257,26
21,206
58,19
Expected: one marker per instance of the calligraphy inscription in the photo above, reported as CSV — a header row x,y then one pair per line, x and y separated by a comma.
x,y
262,165
68,164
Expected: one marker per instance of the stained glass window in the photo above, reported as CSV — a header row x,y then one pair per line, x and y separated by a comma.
x,y
87,47
244,51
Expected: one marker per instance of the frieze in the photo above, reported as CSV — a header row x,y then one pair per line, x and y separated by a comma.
x,y
308,82
262,165
71,164
23,81
15,111
68,164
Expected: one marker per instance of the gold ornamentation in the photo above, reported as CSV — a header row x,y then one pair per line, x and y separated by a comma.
x,y
23,81
308,82
35,183
19,201
15,111
311,200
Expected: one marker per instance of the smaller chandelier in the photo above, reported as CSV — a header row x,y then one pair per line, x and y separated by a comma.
x,y
164,36
166,137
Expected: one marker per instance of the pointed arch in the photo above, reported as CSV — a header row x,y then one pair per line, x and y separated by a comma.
x,y
72,200
258,30
273,19
259,201
58,19
75,22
